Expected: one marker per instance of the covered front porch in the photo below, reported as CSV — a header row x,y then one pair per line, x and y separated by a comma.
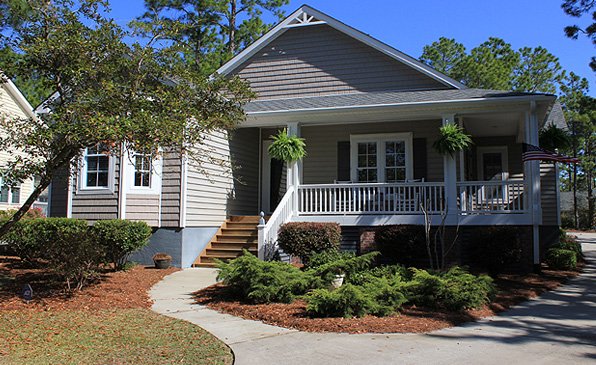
x,y
376,165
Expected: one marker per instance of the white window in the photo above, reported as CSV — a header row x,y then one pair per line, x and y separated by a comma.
x,y
97,169
142,170
10,194
381,157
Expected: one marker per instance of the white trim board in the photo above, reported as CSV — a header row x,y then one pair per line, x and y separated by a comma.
x,y
322,18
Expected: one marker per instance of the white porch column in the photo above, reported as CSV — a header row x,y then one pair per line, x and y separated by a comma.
x,y
294,168
450,178
532,183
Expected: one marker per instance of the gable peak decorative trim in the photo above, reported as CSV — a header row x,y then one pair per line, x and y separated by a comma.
x,y
304,19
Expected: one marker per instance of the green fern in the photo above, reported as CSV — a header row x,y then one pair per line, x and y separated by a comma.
x,y
287,148
453,139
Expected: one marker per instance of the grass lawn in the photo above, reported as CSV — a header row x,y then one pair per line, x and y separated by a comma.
x,y
123,336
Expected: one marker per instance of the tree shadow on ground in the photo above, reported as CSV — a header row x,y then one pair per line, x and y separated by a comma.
x,y
566,316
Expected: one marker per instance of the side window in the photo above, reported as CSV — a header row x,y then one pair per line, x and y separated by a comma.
x,y
10,194
97,167
142,164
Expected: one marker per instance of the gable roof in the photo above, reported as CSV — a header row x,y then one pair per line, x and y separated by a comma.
x,y
16,95
307,16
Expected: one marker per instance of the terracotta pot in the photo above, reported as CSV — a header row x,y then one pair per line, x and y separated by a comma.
x,y
162,264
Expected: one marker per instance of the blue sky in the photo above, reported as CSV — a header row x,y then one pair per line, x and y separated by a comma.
x,y
409,25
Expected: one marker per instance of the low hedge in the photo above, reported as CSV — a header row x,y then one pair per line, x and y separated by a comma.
x,y
303,239
119,238
561,259
258,281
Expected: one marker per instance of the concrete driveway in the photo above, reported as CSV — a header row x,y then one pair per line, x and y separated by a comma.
x,y
559,327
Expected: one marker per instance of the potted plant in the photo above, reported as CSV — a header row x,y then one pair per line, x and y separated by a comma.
x,y
453,139
162,260
287,148
337,280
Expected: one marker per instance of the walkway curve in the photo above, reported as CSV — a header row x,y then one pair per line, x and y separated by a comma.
x,y
558,327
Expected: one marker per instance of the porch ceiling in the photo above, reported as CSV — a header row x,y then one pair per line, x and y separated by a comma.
x,y
505,124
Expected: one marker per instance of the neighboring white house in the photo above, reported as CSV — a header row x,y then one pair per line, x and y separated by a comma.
x,y
14,105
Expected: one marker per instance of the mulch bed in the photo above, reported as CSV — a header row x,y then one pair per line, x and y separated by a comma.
x,y
115,290
513,289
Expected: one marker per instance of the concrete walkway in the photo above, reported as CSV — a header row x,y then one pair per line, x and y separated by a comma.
x,y
557,328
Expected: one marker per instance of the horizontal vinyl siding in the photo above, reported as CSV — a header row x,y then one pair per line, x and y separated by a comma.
x,y
227,184
100,206
548,193
143,207
209,183
10,109
319,60
320,164
171,184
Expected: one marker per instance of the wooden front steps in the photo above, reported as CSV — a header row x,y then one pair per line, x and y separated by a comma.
x,y
234,235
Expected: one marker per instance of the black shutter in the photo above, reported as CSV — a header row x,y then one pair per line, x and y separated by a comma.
x,y
343,161
419,147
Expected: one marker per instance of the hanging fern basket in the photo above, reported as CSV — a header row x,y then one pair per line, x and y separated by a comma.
x,y
287,148
453,139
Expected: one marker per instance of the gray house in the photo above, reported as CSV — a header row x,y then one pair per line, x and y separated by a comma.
x,y
369,114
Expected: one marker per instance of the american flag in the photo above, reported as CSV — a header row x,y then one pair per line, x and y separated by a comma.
x,y
535,153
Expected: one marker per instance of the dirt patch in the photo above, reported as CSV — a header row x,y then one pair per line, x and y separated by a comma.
x,y
123,289
513,289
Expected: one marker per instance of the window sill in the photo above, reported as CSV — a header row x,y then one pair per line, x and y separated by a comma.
x,y
95,191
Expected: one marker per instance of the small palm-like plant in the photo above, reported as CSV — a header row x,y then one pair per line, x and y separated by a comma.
x,y
287,148
453,139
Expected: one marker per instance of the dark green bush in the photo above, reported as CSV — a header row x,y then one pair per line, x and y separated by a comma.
x,y
495,248
302,239
120,238
258,281
347,301
455,289
388,271
561,259
386,294
347,264
68,249
21,240
402,244
571,243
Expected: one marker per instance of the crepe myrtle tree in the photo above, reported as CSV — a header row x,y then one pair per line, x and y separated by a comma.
x,y
108,92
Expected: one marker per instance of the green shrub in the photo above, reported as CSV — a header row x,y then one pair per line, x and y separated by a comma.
x,y
466,291
302,239
120,238
402,244
571,243
455,289
347,301
379,296
258,281
561,259
347,264
68,249
388,271
495,248
21,239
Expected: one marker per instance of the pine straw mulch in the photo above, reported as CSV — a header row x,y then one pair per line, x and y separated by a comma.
x,y
114,290
513,289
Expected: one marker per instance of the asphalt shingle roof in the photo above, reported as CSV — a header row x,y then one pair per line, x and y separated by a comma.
x,y
374,98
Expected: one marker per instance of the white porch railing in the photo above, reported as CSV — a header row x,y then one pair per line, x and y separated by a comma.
x,y
491,197
282,214
373,198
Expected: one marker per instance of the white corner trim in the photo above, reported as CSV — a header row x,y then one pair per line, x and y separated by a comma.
x,y
122,186
183,191
344,28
